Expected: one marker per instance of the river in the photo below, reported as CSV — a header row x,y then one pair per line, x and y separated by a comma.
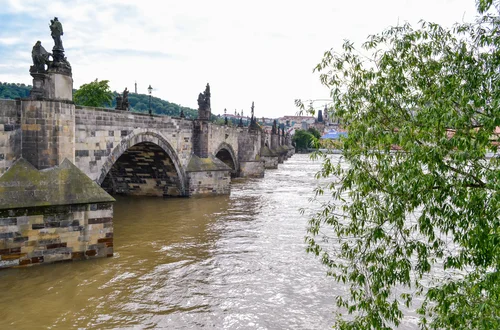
x,y
229,262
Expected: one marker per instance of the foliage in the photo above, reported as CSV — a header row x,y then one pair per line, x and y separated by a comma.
x,y
484,5
303,140
314,132
331,144
94,94
140,103
13,91
418,227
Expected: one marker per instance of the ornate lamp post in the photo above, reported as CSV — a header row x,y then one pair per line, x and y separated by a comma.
x,y
150,89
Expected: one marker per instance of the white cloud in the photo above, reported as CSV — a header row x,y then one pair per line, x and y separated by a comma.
x,y
261,51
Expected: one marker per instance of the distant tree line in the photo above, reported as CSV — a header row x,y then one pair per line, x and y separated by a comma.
x,y
13,91
138,102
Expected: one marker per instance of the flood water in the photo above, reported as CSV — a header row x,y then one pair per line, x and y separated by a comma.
x,y
230,262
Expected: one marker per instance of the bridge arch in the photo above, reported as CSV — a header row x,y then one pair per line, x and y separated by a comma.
x,y
150,142
226,154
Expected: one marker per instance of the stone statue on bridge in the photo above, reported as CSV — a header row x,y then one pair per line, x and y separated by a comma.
x,y
253,120
201,102
125,103
40,58
122,102
59,64
204,108
204,99
119,101
56,30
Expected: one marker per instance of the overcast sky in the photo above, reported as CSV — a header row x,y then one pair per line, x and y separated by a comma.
x,y
262,51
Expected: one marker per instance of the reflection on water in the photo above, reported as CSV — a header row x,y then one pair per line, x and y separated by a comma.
x,y
231,262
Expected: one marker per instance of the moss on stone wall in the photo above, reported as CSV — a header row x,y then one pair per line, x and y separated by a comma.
x,y
25,186
266,152
211,163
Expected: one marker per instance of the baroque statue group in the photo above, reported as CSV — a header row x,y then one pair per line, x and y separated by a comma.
x,y
55,61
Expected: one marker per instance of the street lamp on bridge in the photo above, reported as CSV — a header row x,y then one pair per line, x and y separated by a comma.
x,y
150,89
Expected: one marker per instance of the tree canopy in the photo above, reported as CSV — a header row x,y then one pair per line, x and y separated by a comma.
x,y
94,94
89,94
305,139
97,94
13,91
140,103
413,215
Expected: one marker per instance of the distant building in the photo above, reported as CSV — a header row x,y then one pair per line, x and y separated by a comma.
x,y
297,122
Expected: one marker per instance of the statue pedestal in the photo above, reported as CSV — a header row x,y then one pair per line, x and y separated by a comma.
x,y
59,86
52,85
38,90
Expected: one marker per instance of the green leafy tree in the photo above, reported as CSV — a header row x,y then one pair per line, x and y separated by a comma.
x,y
314,132
94,94
303,140
412,220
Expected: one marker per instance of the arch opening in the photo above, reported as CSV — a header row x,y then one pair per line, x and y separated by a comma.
x,y
144,169
226,157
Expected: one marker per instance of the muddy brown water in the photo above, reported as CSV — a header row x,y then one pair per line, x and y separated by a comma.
x,y
230,262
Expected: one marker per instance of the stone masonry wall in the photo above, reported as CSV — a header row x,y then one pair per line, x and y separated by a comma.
x,y
249,146
10,134
99,132
253,169
270,162
48,132
218,134
209,183
30,236
200,138
266,138
275,142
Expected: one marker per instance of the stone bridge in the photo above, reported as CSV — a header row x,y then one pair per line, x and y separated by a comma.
x,y
58,162
134,153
